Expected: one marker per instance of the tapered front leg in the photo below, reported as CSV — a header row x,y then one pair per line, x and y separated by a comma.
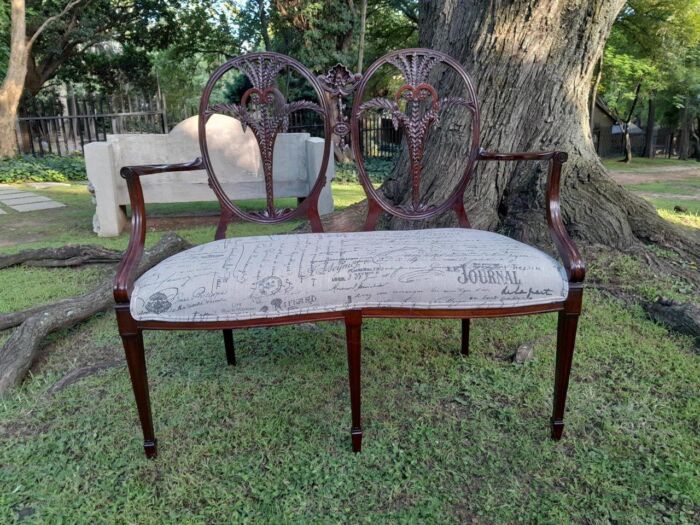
x,y
353,332
566,340
230,348
465,337
136,361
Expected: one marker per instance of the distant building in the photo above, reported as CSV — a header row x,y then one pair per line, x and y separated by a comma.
x,y
607,134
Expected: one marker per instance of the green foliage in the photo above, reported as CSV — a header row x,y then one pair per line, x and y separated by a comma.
x,y
378,170
654,43
42,169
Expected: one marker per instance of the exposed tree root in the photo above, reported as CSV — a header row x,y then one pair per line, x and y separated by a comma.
x,y
80,373
21,349
679,317
70,255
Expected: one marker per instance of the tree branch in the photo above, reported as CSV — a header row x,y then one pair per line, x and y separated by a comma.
x,y
50,20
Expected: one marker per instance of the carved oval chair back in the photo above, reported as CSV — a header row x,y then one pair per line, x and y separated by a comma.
x,y
415,108
265,111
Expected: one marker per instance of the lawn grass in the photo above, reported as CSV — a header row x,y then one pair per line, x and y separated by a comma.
x,y
644,164
691,219
448,439
675,187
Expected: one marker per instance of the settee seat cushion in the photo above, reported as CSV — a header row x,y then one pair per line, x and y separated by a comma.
x,y
275,276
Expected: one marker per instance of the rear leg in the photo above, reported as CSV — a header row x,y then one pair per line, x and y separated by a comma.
x,y
230,349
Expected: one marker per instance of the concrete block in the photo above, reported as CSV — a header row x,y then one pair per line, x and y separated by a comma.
x,y
235,160
24,199
10,193
37,206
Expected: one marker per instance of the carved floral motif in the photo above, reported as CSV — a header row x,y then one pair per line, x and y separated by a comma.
x,y
339,82
423,108
264,109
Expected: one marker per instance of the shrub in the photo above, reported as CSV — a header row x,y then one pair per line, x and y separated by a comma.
x,y
378,170
42,169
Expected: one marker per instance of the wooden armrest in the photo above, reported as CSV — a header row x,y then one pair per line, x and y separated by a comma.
x,y
124,277
573,262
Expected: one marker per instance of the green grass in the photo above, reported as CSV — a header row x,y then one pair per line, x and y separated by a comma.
x,y
644,164
72,224
447,439
676,187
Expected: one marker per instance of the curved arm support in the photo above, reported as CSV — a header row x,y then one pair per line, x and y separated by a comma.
x,y
573,262
125,275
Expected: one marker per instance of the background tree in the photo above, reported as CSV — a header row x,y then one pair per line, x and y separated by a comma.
x,y
533,65
16,71
627,80
650,43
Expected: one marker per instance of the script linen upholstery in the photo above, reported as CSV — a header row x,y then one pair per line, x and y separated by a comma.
x,y
274,276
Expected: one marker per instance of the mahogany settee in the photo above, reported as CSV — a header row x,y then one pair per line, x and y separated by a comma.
x,y
457,273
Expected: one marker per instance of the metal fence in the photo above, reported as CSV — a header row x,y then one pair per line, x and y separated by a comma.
x,y
378,137
64,127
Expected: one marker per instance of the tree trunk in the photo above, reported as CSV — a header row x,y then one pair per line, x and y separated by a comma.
x,y
684,139
264,24
12,85
627,141
594,91
649,146
363,29
532,63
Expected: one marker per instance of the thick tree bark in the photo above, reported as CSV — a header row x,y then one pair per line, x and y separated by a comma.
x,y
532,63
69,255
649,146
12,85
594,91
679,317
14,82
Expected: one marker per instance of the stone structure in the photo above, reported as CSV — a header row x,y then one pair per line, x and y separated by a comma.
x,y
235,156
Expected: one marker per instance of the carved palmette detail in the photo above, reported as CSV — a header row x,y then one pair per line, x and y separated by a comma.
x,y
423,108
264,109
415,124
415,66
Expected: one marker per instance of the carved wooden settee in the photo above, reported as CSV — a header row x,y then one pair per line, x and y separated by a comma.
x,y
459,273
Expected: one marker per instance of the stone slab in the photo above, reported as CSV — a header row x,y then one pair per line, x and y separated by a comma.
x,y
7,193
24,199
44,185
37,206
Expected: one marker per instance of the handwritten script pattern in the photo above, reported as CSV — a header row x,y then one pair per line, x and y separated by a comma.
x,y
274,276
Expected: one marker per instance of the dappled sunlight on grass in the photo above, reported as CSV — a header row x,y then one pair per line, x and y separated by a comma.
x,y
347,193
691,220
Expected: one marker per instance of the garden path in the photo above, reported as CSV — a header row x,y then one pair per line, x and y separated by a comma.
x,y
22,201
